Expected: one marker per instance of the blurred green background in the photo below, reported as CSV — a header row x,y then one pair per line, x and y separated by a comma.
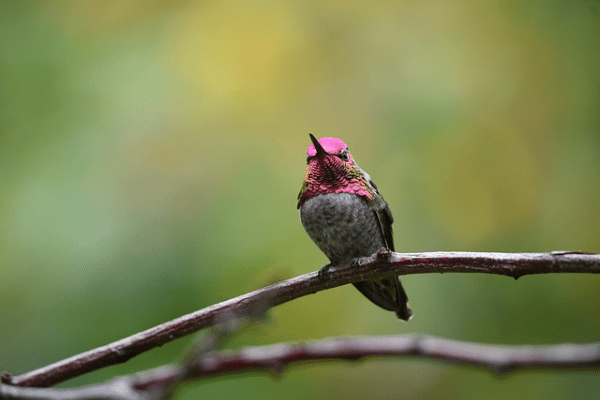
x,y
151,154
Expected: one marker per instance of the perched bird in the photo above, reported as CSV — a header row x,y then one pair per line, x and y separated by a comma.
x,y
344,214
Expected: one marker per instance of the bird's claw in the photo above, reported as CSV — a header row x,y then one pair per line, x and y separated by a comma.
x,y
384,253
356,262
323,272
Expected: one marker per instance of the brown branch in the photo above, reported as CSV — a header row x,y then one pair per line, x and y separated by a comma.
x,y
382,264
116,389
273,358
499,359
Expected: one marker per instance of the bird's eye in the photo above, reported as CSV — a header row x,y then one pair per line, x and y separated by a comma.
x,y
308,158
344,155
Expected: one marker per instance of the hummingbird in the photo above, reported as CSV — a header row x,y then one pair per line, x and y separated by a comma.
x,y
343,212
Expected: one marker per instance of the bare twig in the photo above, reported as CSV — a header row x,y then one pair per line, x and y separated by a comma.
x,y
382,264
499,359
273,358
200,346
116,389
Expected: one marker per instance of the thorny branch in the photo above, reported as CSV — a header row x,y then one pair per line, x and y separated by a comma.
x,y
150,384
382,264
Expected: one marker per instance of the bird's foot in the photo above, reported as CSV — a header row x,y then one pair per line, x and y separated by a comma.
x,y
384,253
357,262
323,272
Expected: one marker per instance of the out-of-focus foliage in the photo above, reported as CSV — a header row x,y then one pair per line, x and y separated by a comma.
x,y
151,154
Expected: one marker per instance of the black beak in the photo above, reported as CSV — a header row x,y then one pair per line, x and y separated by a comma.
x,y
318,147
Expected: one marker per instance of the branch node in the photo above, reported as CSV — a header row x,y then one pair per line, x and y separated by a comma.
x,y
501,370
275,368
6,377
